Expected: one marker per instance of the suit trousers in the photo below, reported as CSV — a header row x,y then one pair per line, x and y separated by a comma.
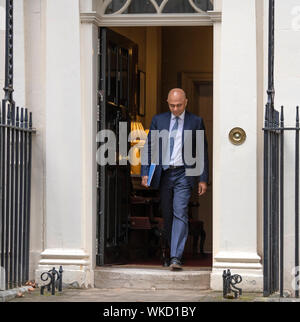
x,y
175,193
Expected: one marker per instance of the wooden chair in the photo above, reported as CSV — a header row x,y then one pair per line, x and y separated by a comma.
x,y
145,216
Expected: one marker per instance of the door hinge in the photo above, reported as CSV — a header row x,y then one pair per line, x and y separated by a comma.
x,y
98,112
98,180
99,46
100,93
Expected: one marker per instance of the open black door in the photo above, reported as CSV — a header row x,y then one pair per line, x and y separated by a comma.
x,y
116,102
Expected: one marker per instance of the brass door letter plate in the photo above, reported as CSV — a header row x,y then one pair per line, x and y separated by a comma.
x,y
237,136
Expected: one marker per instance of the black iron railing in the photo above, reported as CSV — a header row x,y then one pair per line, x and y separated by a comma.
x,y
271,174
15,175
273,261
274,201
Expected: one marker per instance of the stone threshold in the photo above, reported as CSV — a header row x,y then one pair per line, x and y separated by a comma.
x,y
151,277
10,294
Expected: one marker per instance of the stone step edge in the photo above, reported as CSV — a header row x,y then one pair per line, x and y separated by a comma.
x,y
151,279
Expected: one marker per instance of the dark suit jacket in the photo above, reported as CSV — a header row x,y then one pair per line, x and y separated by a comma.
x,y
162,122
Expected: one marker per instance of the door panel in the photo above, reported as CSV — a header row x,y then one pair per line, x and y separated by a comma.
x,y
117,83
111,73
124,81
203,106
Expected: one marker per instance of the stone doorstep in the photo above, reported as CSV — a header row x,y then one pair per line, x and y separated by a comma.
x,y
150,278
7,295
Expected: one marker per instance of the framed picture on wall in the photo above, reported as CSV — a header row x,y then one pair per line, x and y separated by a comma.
x,y
141,93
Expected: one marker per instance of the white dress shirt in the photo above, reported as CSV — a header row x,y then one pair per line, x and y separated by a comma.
x,y
176,157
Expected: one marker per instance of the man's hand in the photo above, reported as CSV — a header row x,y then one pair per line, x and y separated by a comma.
x,y
144,181
202,187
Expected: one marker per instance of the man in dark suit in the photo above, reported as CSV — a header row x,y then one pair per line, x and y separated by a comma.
x,y
171,174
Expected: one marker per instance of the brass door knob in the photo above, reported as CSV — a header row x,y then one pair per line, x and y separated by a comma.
x,y
237,136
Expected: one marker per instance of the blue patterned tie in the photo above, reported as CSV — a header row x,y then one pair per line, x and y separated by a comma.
x,y
174,129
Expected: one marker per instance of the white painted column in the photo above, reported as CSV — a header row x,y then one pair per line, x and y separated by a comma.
x,y
216,126
89,86
65,222
35,84
19,54
235,167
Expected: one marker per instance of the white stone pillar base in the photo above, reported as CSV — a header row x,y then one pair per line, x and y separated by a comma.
x,y
248,265
77,272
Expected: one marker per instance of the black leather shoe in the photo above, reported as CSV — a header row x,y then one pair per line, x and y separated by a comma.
x,y
175,264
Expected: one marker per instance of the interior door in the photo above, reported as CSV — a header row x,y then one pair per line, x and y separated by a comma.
x,y
116,102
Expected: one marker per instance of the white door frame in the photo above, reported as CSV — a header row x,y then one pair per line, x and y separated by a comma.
x,y
90,22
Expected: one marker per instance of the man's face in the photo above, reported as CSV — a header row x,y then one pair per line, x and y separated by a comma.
x,y
177,103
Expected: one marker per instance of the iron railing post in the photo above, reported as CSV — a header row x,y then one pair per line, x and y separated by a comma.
x,y
16,208
21,200
28,188
3,156
266,259
25,220
11,203
297,202
281,233
268,271
276,204
7,197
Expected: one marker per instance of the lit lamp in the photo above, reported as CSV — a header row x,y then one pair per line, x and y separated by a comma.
x,y
137,142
